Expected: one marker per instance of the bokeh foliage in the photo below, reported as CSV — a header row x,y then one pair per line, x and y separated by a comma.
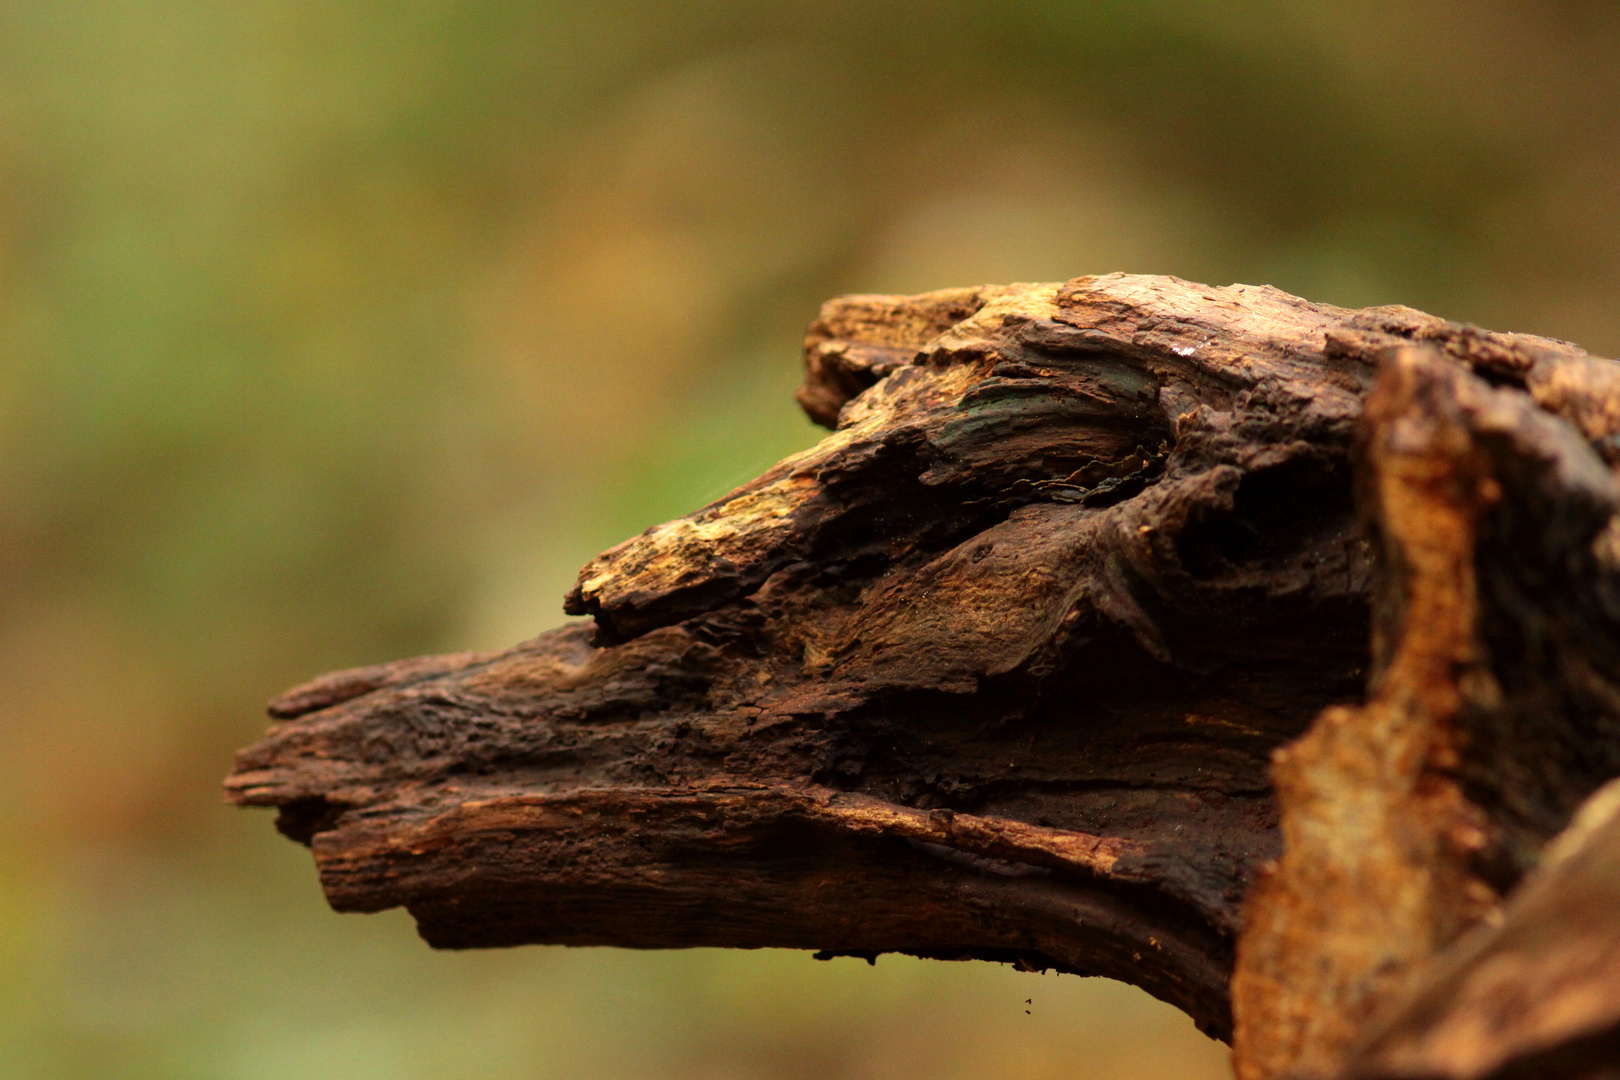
x,y
336,331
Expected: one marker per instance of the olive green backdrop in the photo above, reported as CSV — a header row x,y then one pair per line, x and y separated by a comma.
x,y
335,331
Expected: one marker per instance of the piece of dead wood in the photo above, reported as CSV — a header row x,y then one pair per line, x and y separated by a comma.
x,y
997,669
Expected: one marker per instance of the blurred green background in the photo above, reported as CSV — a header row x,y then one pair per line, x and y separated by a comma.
x,y
334,331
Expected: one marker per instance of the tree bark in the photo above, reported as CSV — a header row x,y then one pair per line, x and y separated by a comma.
x,y
998,670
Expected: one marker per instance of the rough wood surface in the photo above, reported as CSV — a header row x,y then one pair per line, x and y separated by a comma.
x,y
997,669
1494,705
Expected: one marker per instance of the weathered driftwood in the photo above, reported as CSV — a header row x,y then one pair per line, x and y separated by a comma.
x,y
997,670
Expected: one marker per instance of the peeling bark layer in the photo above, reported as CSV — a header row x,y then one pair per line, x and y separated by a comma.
x,y
1494,706
997,669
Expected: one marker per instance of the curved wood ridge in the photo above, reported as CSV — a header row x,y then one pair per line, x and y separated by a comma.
x,y
995,670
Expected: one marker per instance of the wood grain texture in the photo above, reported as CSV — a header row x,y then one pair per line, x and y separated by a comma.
x,y
996,670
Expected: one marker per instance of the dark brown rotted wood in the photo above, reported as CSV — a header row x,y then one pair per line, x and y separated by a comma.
x,y
995,670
